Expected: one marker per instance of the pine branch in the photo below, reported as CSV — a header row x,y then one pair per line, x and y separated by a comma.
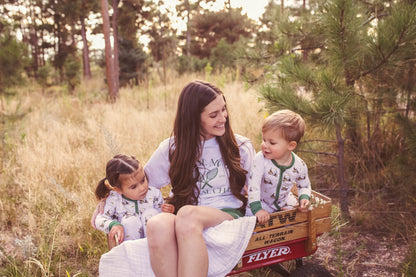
x,y
386,56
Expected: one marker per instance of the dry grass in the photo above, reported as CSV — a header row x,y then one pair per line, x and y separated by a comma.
x,y
54,149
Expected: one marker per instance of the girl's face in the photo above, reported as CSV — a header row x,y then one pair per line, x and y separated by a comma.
x,y
213,118
275,147
133,186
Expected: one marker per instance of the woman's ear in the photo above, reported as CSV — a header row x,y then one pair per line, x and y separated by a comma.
x,y
292,145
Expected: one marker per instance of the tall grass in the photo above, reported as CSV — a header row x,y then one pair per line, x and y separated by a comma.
x,y
54,149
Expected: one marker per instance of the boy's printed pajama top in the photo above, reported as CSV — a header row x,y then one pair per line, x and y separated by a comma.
x,y
270,184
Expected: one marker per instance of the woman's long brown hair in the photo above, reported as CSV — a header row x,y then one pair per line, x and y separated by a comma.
x,y
186,149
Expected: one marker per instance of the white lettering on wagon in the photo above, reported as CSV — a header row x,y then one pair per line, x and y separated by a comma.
x,y
269,253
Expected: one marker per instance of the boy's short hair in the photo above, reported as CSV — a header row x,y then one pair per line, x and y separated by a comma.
x,y
288,122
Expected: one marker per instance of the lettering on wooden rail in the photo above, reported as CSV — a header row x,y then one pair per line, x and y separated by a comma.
x,y
287,233
273,238
280,219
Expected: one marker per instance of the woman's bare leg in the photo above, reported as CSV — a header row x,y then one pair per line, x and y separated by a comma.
x,y
163,248
192,250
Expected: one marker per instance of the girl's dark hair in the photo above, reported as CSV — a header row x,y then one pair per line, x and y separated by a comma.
x,y
186,149
119,164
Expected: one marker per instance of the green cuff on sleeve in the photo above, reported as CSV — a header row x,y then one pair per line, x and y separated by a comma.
x,y
304,196
112,224
255,207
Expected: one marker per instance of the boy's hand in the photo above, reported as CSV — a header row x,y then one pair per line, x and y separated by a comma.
x,y
168,208
262,216
304,205
119,230
98,210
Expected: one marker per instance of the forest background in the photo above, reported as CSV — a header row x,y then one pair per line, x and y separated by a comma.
x,y
347,66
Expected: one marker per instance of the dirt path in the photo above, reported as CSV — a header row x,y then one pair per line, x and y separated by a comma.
x,y
359,255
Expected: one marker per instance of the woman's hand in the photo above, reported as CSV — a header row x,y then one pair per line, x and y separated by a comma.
x,y
98,210
168,208
262,216
304,205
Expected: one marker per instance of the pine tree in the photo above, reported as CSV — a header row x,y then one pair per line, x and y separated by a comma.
x,y
109,59
333,88
12,58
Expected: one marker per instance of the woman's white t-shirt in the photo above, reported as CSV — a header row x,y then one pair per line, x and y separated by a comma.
x,y
214,184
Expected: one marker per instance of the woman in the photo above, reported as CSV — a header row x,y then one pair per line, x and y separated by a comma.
x,y
207,166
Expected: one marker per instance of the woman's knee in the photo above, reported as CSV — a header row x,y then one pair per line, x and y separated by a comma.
x,y
187,220
160,227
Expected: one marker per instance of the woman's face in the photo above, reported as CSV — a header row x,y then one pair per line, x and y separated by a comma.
x,y
213,118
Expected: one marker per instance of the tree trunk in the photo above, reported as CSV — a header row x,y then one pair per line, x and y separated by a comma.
x,y
109,66
228,5
341,173
188,29
85,51
164,80
42,61
409,87
58,45
33,40
116,47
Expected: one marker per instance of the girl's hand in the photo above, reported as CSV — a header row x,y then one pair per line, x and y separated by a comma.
x,y
168,208
98,210
262,216
119,230
304,205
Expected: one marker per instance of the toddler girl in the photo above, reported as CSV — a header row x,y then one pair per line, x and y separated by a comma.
x,y
129,201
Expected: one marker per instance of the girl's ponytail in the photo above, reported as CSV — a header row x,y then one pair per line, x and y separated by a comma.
x,y
102,191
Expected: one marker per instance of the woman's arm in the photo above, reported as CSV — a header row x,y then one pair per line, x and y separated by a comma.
x,y
98,210
247,154
157,167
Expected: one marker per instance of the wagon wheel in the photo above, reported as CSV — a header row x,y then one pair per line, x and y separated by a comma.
x,y
311,270
295,268
286,268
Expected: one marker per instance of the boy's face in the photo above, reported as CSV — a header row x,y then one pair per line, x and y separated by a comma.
x,y
275,147
134,186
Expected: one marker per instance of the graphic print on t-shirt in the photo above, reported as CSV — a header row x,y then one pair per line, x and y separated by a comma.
x,y
211,174
213,178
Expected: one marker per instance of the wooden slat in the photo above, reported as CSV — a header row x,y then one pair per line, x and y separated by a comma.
x,y
283,218
310,245
288,233
320,195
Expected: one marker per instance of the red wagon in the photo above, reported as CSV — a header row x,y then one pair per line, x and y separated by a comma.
x,y
288,235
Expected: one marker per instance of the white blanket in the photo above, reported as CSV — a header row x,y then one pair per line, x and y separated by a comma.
x,y
225,243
